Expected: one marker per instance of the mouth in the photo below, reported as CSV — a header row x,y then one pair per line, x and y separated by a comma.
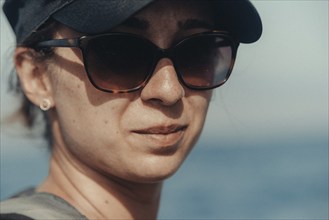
x,y
161,130
162,136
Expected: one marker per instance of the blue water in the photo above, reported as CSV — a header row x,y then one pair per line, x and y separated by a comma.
x,y
282,179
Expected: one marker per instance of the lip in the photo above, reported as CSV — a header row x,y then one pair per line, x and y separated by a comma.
x,y
161,130
161,137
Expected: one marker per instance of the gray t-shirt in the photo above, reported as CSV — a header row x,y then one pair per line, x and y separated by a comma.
x,y
39,206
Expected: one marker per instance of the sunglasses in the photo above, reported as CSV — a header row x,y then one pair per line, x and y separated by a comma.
x,y
121,62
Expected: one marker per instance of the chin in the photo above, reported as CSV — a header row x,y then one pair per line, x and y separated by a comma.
x,y
156,171
152,178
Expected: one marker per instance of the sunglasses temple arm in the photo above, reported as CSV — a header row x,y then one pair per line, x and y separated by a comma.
x,y
74,42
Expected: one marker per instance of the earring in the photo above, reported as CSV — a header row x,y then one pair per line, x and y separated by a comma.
x,y
45,105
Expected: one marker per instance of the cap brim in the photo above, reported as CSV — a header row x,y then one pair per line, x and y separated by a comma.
x,y
93,17
240,18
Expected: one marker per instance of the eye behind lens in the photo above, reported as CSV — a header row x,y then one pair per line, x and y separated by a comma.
x,y
119,62
204,61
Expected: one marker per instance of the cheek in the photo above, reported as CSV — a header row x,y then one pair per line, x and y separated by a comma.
x,y
198,107
199,103
86,117
77,102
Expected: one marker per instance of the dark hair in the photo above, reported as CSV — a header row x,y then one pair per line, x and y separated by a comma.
x,y
28,110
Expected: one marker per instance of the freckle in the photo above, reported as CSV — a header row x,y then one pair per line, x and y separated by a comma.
x,y
78,86
106,202
73,121
106,121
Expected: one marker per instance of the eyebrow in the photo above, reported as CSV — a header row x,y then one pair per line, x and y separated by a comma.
x,y
195,23
134,22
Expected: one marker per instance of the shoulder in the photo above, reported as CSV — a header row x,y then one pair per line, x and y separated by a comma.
x,y
14,217
38,206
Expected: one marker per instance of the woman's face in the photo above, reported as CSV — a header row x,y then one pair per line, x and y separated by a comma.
x,y
142,136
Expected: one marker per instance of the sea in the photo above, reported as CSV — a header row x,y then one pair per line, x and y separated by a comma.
x,y
277,180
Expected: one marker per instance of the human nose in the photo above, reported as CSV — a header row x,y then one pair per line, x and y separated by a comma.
x,y
164,86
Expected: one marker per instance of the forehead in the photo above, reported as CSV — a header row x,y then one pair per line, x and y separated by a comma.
x,y
168,16
170,11
178,7
171,16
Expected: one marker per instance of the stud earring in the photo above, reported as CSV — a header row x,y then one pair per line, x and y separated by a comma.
x,y
45,105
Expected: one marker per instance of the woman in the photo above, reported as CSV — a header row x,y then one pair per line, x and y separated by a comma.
x,y
126,87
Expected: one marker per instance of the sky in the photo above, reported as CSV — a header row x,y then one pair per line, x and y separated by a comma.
x,y
279,87
276,95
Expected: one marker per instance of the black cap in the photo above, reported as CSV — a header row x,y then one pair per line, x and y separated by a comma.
x,y
98,16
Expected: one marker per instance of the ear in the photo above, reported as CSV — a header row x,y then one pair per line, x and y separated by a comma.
x,y
33,76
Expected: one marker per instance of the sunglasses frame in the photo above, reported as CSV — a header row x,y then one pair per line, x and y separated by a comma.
x,y
82,44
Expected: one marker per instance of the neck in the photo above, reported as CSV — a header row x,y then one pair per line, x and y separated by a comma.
x,y
98,196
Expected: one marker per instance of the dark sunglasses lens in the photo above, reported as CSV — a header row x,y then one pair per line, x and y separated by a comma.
x,y
204,61
118,62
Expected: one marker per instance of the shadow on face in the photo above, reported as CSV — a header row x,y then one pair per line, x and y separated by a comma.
x,y
163,23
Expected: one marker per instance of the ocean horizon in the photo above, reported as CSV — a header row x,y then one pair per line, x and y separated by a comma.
x,y
283,180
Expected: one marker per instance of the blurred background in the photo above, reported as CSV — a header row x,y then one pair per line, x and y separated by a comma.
x,y
264,150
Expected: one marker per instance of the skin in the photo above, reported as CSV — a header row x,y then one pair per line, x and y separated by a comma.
x,y
112,152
